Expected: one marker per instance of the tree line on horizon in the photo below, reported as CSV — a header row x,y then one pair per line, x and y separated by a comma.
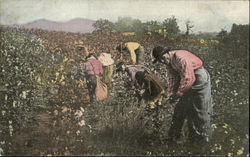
x,y
128,24
167,26
235,41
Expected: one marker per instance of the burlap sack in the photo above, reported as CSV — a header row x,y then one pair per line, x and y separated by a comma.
x,y
101,90
156,86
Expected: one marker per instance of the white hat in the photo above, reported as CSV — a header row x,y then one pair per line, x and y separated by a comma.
x,y
106,59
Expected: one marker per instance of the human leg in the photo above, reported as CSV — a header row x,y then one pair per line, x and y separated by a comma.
x,y
91,84
200,110
178,119
140,55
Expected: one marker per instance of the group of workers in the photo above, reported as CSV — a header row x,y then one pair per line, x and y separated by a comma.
x,y
187,81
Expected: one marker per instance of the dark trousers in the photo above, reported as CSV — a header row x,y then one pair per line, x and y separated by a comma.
x,y
140,53
91,84
195,106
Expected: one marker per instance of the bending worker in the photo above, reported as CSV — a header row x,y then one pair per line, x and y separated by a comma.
x,y
189,81
136,51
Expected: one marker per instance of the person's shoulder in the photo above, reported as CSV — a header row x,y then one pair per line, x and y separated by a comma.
x,y
95,60
180,53
177,50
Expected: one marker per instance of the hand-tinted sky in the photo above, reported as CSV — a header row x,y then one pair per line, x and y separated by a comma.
x,y
206,15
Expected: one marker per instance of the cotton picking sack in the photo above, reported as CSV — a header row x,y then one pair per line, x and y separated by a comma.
x,y
156,85
101,90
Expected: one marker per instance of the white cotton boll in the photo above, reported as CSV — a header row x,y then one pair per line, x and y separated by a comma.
x,y
39,79
14,103
78,132
3,112
81,123
78,114
24,94
1,151
19,83
82,109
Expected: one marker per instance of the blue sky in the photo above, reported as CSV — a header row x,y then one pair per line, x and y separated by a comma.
x,y
206,15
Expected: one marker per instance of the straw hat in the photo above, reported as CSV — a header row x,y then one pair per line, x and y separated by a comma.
x,y
105,59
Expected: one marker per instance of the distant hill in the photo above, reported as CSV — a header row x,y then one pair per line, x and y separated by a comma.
x,y
77,25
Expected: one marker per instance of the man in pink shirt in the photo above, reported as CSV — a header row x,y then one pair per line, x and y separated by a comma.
x,y
190,82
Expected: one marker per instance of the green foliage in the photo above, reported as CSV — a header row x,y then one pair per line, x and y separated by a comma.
x,y
119,125
236,42
206,35
124,24
171,25
121,121
239,36
104,24
25,87
222,35
128,24
152,26
138,26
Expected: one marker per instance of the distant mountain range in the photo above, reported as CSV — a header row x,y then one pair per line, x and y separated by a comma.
x,y
77,25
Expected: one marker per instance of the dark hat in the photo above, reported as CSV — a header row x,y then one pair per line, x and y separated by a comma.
x,y
158,52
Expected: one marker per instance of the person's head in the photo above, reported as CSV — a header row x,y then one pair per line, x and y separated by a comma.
x,y
139,77
121,47
81,49
159,54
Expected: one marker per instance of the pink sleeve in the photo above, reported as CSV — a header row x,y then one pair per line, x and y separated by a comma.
x,y
187,76
172,81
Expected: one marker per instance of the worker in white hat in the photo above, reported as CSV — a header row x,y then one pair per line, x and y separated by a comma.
x,y
108,67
